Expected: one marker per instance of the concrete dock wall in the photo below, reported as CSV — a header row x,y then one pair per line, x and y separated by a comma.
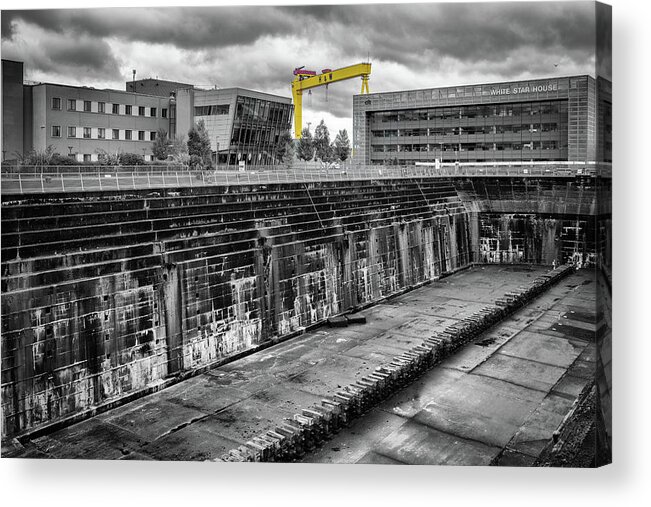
x,y
108,295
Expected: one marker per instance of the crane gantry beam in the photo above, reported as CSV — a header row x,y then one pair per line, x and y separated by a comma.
x,y
306,80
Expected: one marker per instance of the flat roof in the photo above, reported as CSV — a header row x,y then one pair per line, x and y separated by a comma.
x,y
490,83
241,91
93,89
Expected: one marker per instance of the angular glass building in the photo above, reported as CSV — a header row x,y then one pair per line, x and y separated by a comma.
x,y
243,125
565,119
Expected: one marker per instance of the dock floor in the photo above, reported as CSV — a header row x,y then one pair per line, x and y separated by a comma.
x,y
498,400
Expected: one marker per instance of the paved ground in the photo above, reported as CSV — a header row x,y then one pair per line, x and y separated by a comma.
x,y
24,183
510,390
497,401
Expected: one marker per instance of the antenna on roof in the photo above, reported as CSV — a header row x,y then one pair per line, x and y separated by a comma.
x,y
133,88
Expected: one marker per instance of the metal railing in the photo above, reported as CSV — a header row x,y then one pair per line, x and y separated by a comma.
x,y
28,180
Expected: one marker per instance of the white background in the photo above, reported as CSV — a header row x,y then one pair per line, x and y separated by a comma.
x,y
626,482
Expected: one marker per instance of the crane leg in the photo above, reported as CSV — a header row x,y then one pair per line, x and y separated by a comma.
x,y
298,113
365,84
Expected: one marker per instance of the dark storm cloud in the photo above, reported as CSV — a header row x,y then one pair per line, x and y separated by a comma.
x,y
66,56
393,32
256,47
199,27
7,27
604,40
469,32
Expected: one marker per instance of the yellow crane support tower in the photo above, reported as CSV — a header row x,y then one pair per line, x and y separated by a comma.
x,y
308,79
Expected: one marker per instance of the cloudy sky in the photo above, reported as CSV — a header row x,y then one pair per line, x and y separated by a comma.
x,y
418,45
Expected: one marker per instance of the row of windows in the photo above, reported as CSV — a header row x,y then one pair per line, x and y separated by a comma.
x,y
474,111
474,91
255,135
533,145
88,157
87,133
248,108
101,108
469,130
212,110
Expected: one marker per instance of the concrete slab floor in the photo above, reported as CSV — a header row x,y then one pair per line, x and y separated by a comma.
x,y
498,398
493,404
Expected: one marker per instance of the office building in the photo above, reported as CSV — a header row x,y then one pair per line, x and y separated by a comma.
x,y
83,122
565,119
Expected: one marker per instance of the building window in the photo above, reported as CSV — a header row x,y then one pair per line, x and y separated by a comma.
x,y
86,132
211,110
56,103
101,107
141,135
115,134
72,131
127,135
152,112
152,136
87,157
163,113
116,108
86,106
56,130
127,110
101,133
72,105
141,110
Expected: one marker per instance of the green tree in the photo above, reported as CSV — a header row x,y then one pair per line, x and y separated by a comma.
x,y
285,148
199,145
305,150
342,145
322,146
161,147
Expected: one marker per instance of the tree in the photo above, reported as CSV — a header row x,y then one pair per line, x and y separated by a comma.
x,y
161,147
131,159
37,157
285,148
342,145
58,159
106,158
179,152
199,145
323,149
305,150
179,146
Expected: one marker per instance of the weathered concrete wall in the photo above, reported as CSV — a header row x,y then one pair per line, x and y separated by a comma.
x,y
539,220
108,295
530,238
105,296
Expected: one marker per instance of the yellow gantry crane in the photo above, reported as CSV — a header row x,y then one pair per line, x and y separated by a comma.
x,y
308,79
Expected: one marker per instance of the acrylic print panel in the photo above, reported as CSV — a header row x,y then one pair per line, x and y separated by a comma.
x,y
315,234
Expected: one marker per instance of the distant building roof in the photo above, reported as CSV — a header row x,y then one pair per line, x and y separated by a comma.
x,y
152,86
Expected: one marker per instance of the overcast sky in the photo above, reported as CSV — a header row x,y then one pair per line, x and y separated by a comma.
x,y
411,46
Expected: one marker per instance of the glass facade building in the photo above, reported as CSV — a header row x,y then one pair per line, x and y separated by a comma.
x,y
257,126
540,120
243,125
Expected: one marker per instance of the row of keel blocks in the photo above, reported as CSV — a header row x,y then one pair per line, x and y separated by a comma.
x,y
306,430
